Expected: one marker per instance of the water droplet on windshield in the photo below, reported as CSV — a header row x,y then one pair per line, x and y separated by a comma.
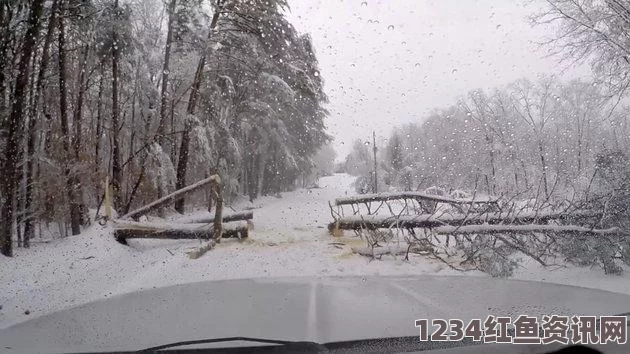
x,y
390,27
364,3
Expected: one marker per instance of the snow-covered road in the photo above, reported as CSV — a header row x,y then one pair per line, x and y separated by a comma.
x,y
289,239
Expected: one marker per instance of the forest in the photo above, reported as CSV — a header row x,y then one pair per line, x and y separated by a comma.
x,y
145,97
548,143
532,137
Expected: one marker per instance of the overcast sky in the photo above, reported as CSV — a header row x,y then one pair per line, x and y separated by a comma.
x,y
389,62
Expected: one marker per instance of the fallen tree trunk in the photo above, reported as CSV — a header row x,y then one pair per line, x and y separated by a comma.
x,y
169,199
126,230
383,197
496,229
237,216
436,220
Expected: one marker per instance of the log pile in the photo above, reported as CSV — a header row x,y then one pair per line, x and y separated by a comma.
x,y
127,230
219,225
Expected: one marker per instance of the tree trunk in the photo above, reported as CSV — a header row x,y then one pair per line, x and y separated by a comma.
x,y
78,125
165,73
117,173
178,194
544,167
29,229
15,130
181,168
260,177
435,221
71,181
78,110
218,210
99,119
182,164
234,216
4,47
124,231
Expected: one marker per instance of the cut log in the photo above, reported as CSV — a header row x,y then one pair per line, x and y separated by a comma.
x,y
435,220
240,215
169,199
127,230
198,252
383,197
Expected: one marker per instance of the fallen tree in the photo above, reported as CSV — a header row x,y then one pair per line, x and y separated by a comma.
x,y
127,230
170,199
373,222
383,197
500,229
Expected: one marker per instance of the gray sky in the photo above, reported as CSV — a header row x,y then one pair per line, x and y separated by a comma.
x,y
389,62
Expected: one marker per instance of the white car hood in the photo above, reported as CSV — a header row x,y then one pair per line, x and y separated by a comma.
x,y
321,310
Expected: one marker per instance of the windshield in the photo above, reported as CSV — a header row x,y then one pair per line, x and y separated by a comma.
x,y
147,144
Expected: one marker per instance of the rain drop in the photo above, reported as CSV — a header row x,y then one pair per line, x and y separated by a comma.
x,y
364,3
390,27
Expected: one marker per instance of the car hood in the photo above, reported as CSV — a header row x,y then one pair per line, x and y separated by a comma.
x,y
321,310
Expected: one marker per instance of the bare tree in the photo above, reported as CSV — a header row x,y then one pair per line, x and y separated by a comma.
x,y
594,32
534,104
15,129
71,179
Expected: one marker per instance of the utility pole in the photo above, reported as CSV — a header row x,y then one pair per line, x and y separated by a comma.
x,y
374,149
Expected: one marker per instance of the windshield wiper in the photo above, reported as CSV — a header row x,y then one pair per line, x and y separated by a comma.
x,y
283,344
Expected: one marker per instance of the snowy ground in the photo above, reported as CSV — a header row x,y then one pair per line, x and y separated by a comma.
x,y
290,239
